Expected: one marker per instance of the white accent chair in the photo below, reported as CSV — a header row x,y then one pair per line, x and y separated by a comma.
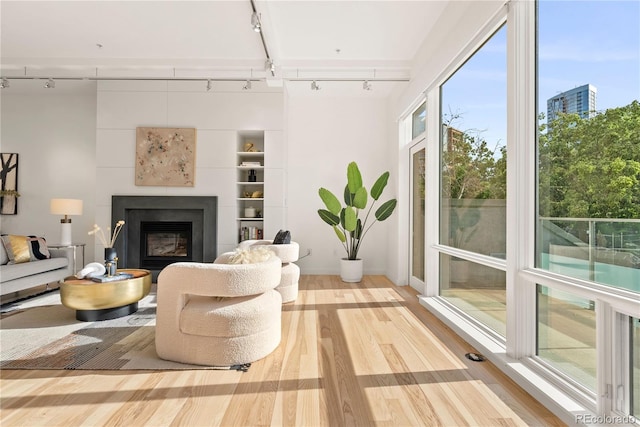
x,y
288,253
218,314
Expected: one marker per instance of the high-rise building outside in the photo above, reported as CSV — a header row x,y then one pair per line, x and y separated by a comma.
x,y
581,100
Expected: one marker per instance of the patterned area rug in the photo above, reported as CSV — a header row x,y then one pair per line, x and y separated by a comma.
x,y
41,333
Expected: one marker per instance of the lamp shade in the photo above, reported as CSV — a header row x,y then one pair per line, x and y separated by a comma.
x,y
66,206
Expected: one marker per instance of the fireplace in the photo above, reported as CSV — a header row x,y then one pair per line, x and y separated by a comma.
x,y
160,230
164,242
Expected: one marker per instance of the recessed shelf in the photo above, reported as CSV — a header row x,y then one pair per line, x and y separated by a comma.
x,y
250,227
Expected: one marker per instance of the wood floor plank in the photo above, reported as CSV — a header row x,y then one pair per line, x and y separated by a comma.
x,y
358,354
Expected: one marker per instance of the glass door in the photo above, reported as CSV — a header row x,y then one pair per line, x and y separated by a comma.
x,y
417,215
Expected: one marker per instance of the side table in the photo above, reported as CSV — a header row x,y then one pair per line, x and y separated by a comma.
x,y
75,247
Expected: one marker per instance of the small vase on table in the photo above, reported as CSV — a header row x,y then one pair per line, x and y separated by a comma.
x,y
110,261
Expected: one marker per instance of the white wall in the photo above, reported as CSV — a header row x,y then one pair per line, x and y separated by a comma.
x,y
308,144
218,116
53,131
324,134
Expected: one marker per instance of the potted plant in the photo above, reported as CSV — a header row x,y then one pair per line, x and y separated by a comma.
x,y
349,227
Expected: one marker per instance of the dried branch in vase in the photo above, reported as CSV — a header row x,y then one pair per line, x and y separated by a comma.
x,y
112,236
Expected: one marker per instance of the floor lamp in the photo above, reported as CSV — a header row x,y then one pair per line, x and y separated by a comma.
x,y
66,207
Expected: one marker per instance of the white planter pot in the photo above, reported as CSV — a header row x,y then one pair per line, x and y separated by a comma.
x,y
351,270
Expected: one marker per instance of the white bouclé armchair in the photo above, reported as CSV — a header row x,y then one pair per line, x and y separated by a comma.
x,y
288,254
219,314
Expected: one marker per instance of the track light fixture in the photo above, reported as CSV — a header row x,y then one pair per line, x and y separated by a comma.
x,y
269,66
209,85
314,86
50,84
366,85
255,22
4,83
247,85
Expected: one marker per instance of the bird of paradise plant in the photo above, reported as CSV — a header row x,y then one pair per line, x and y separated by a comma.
x,y
345,221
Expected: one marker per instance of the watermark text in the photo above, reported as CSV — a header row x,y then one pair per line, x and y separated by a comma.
x,y
605,419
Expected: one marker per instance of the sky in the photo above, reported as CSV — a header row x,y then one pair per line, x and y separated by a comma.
x,y
596,42
580,42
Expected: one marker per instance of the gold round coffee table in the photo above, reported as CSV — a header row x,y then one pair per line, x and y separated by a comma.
x,y
109,300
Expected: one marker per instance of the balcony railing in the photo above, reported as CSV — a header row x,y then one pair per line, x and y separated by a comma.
x,y
603,250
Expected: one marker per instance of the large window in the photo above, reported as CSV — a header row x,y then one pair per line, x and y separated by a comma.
x,y
473,152
589,141
548,277
566,336
473,182
477,290
588,187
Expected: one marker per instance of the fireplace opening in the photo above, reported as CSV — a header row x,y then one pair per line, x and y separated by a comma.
x,y
165,242
200,211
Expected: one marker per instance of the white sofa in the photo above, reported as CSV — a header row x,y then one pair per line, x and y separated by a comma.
x,y
18,277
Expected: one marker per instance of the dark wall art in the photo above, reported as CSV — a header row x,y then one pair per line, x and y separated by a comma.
x,y
9,184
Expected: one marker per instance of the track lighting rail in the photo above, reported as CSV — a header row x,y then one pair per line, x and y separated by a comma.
x,y
50,83
355,79
179,79
212,79
257,26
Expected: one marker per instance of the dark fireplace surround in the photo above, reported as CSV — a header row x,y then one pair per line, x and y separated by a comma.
x,y
200,211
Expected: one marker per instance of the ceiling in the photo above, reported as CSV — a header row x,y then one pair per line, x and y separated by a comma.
x,y
306,39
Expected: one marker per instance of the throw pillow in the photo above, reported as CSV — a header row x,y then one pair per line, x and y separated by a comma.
x,y
25,248
4,258
17,248
38,248
283,237
251,256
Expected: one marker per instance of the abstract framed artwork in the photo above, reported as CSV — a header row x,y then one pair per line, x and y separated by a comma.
x,y
165,157
9,184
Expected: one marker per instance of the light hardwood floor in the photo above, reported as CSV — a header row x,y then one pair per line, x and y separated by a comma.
x,y
351,354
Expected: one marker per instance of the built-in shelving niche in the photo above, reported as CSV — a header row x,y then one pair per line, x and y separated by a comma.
x,y
250,185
